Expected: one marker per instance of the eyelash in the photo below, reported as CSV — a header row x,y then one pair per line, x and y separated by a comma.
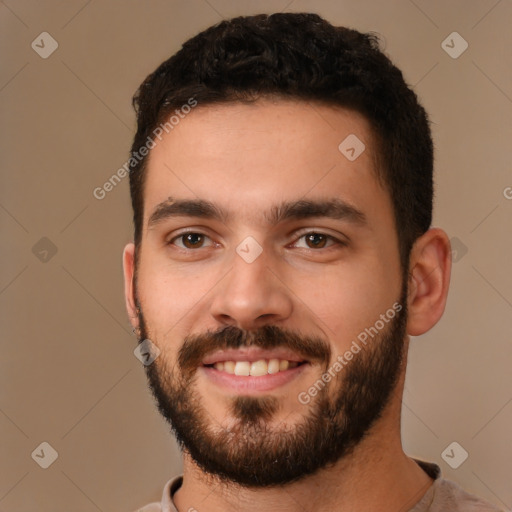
x,y
331,238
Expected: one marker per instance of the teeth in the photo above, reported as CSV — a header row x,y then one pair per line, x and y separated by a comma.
x,y
273,366
259,368
242,368
256,368
229,367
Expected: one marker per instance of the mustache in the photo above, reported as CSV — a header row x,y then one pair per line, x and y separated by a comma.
x,y
196,347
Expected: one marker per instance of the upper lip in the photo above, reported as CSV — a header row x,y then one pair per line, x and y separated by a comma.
x,y
251,354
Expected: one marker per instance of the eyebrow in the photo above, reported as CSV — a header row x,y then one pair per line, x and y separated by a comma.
x,y
294,210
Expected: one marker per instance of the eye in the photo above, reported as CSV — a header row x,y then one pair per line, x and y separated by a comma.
x,y
190,240
314,240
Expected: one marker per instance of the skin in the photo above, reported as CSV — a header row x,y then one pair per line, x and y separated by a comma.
x,y
246,159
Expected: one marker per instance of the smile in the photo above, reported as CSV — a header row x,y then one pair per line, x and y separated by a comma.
x,y
255,368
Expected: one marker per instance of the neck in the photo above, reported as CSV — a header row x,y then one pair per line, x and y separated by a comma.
x,y
377,475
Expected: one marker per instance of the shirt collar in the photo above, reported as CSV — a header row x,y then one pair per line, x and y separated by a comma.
x,y
432,470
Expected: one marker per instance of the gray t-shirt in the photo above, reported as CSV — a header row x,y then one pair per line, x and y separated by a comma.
x,y
442,496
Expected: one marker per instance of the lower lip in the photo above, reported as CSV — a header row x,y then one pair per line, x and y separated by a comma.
x,y
242,384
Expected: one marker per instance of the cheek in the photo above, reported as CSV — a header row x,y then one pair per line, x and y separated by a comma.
x,y
171,294
345,299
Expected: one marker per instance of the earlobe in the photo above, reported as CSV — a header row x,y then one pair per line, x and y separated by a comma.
x,y
129,290
429,278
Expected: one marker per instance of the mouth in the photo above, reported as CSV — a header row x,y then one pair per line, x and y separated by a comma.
x,y
252,369
256,368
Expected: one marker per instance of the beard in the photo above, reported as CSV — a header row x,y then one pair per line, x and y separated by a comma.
x,y
253,453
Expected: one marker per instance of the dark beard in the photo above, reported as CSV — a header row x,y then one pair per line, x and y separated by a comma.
x,y
253,454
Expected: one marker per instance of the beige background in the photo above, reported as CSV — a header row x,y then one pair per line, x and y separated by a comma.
x,y
68,373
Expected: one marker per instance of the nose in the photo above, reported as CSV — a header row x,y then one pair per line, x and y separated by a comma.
x,y
251,295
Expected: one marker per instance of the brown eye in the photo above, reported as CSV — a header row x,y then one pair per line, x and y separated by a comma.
x,y
316,240
193,240
190,240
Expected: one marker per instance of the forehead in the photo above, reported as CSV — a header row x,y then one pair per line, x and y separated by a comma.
x,y
246,158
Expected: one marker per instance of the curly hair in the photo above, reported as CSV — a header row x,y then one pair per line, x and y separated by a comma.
x,y
303,57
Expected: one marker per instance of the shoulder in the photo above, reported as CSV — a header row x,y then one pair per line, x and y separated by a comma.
x,y
152,507
450,496
167,503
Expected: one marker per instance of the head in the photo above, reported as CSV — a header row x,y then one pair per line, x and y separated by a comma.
x,y
283,209
298,57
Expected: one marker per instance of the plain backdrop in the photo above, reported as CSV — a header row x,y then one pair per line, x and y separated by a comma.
x,y
68,374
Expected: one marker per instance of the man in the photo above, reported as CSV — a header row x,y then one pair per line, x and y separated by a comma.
x,y
281,182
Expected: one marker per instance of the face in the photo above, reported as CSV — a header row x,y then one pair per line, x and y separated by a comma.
x,y
268,253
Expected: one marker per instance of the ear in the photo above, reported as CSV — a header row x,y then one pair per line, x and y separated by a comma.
x,y
128,270
429,278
